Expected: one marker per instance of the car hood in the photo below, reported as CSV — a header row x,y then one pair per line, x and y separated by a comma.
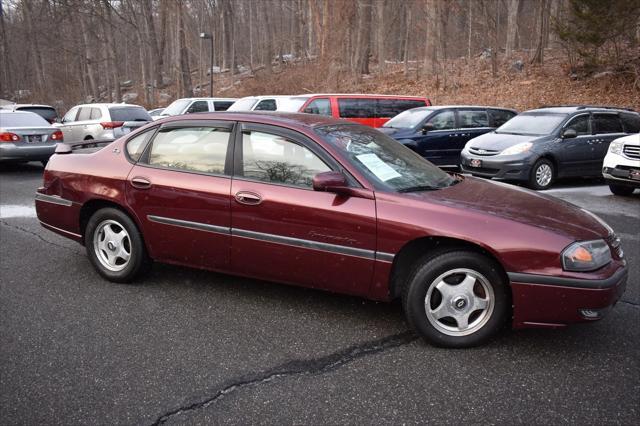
x,y
520,205
501,141
397,133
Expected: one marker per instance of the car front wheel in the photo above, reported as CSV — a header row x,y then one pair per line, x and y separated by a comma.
x,y
621,189
456,299
114,246
542,174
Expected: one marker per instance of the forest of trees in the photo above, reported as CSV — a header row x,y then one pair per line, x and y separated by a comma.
x,y
78,50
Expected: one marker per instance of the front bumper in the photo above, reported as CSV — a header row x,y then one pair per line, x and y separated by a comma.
x,y
544,301
516,167
24,152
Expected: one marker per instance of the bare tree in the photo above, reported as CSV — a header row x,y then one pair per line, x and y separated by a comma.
x,y
512,25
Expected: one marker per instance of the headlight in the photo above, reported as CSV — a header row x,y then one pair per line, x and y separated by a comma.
x,y
616,147
517,149
585,256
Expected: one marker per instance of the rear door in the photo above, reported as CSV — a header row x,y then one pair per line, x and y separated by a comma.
x,y
439,145
606,127
283,230
471,123
179,190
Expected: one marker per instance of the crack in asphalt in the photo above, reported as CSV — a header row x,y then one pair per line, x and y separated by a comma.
x,y
40,237
628,302
297,368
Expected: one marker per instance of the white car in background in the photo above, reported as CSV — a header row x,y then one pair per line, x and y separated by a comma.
x,y
269,103
621,166
101,121
193,105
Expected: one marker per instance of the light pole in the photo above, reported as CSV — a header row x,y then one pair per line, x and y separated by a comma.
x,y
210,38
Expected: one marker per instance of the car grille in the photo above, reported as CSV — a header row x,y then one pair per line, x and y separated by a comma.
x,y
616,247
484,152
632,151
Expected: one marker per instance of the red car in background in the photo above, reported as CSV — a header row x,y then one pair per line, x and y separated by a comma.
x,y
322,203
370,110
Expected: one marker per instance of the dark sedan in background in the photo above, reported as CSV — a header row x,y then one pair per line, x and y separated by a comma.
x,y
544,144
439,133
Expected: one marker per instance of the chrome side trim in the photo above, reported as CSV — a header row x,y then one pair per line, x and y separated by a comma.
x,y
278,239
73,234
191,225
297,242
54,199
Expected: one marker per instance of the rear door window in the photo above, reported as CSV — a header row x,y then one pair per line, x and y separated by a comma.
x,y
580,124
96,114
320,106
357,108
389,108
631,122
222,105
198,106
471,119
84,114
607,123
129,114
500,116
266,105
444,120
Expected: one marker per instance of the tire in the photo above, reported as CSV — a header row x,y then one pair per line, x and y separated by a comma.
x,y
621,189
118,256
436,305
542,175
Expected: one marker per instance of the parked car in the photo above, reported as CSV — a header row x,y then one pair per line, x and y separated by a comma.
x,y
268,103
155,112
439,133
26,136
621,166
371,110
102,121
193,105
541,145
47,112
333,205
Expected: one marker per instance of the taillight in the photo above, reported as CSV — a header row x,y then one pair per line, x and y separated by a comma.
x,y
111,124
57,136
9,137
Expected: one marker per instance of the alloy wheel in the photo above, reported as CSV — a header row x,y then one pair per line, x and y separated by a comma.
x,y
112,245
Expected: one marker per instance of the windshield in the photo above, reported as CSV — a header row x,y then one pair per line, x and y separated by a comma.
x,y
244,104
291,104
176,107
22,119
408,119
532,124
386,163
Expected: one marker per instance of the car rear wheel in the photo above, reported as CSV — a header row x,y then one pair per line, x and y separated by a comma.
x,y
621,189
542,174
115,246
456,299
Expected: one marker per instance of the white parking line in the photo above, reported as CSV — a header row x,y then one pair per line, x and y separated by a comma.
x,y
8,211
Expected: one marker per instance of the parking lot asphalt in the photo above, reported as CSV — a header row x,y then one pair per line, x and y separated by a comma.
x,y
194,347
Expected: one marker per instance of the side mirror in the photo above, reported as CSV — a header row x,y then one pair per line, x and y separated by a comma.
x,y
329,182
569,134
427,128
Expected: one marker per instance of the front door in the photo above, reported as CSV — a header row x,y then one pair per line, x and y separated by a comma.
x,y
283,230
438,145
576,154
180,191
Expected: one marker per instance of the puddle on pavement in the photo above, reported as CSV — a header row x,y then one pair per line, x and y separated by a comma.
x,y
9,211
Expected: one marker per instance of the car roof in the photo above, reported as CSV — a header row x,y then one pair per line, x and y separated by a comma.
x,y
569,109
108,105
439,107
362,95
207,99
260,97
266,117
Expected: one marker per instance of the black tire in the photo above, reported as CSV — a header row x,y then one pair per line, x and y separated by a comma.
x,y
122,271
621,189
538,182
453,266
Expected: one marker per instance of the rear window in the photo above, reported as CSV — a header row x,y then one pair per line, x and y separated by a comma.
x,y
21,119
388,108
48,114
129,114
222,105
631,122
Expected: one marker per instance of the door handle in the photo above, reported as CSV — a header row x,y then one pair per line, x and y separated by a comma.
x,y
140,182
248,197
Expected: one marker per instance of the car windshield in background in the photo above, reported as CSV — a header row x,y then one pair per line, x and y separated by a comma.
x,y
291,104
48,114
243,104
129,114
176,107
532,124
22,119
388,164
408,119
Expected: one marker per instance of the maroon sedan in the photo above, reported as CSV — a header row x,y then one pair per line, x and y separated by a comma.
x,y
321,203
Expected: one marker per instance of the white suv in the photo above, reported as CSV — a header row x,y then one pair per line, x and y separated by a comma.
x,y
621,167
193,105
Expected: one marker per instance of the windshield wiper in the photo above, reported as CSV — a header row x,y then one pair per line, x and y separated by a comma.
x,y
419,188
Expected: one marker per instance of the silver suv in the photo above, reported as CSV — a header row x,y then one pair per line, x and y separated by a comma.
x,y
102,121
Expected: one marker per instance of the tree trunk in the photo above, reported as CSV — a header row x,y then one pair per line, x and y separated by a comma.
x,y
407,24
112,50
183,53
512,26
325,28
89,58
363,43
543,30
432,36
381,37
